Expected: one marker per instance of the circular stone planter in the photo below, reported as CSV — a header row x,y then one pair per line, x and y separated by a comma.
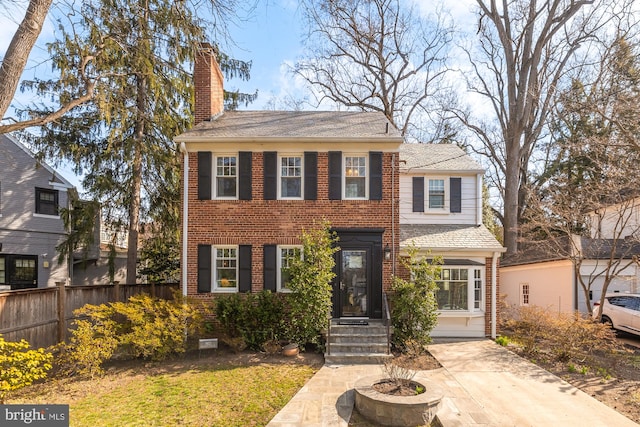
x,y
389,410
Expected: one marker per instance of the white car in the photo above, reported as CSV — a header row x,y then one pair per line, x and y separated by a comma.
x,y
622,312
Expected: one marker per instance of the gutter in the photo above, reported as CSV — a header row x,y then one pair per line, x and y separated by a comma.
x,y
185,217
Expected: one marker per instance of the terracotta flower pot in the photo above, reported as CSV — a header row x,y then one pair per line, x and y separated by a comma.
x,y
290,349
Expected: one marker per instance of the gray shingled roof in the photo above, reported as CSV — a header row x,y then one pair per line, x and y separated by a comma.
x,y
448,237
295,124
437,157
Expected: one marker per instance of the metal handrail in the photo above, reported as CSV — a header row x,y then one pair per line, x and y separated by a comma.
x,y
386,320
329,336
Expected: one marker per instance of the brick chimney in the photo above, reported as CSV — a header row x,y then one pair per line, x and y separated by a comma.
x,y
209,84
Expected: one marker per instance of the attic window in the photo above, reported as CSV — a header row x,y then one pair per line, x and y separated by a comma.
x,y
46,201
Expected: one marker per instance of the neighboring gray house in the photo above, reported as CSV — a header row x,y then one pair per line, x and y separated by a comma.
x,y
31,195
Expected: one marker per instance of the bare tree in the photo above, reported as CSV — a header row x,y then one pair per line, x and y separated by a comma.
x,y
378,55
17,54
524,51
589,207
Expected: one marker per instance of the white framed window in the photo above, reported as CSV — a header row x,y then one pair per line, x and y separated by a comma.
x,y
436,193
524,294
226,176
477,289
460,289
225,269
290,177
355,177
285,255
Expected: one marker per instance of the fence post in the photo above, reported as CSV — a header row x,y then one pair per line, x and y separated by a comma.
x,y
62,322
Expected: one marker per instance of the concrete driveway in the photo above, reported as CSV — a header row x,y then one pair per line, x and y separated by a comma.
x,y
510,391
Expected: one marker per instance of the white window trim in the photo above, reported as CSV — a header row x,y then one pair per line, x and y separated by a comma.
x,y
482,290
214,270
522,287
280,156
214,176
279,248
470,289
443,209
38,215
344,175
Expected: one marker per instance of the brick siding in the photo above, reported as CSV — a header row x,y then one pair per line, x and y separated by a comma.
x,y
261,222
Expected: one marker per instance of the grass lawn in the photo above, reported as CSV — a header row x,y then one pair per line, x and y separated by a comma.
x,y
217,391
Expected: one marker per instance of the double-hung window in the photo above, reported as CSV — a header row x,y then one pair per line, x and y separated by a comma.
x,y
355,177
46,201
291,177
459,289
225,274
226,174
3,270
436,194
285,255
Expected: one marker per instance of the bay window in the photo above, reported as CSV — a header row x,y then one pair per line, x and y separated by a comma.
x,y
459,289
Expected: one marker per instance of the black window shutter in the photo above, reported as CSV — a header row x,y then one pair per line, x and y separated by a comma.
x,y
310,175
204,175
375,175
418,194
244,176
270,175
269,267
244,264
335,175
204,268
455,189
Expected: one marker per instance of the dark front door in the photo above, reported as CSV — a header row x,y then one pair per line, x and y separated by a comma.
x,y
355,281
357,287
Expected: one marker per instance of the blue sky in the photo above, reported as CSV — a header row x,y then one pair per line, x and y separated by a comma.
x,y
270,37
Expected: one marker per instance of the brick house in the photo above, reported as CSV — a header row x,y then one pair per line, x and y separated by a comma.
x,y
252,180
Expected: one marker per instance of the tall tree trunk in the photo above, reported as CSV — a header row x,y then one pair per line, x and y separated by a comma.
x,y
511,193
136,181
15,58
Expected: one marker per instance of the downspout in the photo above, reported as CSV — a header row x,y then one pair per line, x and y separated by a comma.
x,y
185,216
494,294
393,214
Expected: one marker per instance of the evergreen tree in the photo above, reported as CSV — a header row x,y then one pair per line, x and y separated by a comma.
x,y
136,54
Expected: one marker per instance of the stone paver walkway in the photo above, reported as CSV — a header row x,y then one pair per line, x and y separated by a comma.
x,y
483,384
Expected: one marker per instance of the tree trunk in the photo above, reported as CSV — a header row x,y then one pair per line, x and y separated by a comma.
x,y
511,193
15,58
136,182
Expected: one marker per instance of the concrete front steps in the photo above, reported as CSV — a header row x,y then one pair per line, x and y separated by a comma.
x,y
356,344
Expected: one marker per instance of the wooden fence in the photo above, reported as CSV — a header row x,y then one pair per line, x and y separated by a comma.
x,y
43,319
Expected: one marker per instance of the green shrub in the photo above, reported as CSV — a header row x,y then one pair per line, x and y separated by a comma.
x,y
93,341
229,311
20,367
256,318
310,298
503,340
414,308
142,327
263,319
